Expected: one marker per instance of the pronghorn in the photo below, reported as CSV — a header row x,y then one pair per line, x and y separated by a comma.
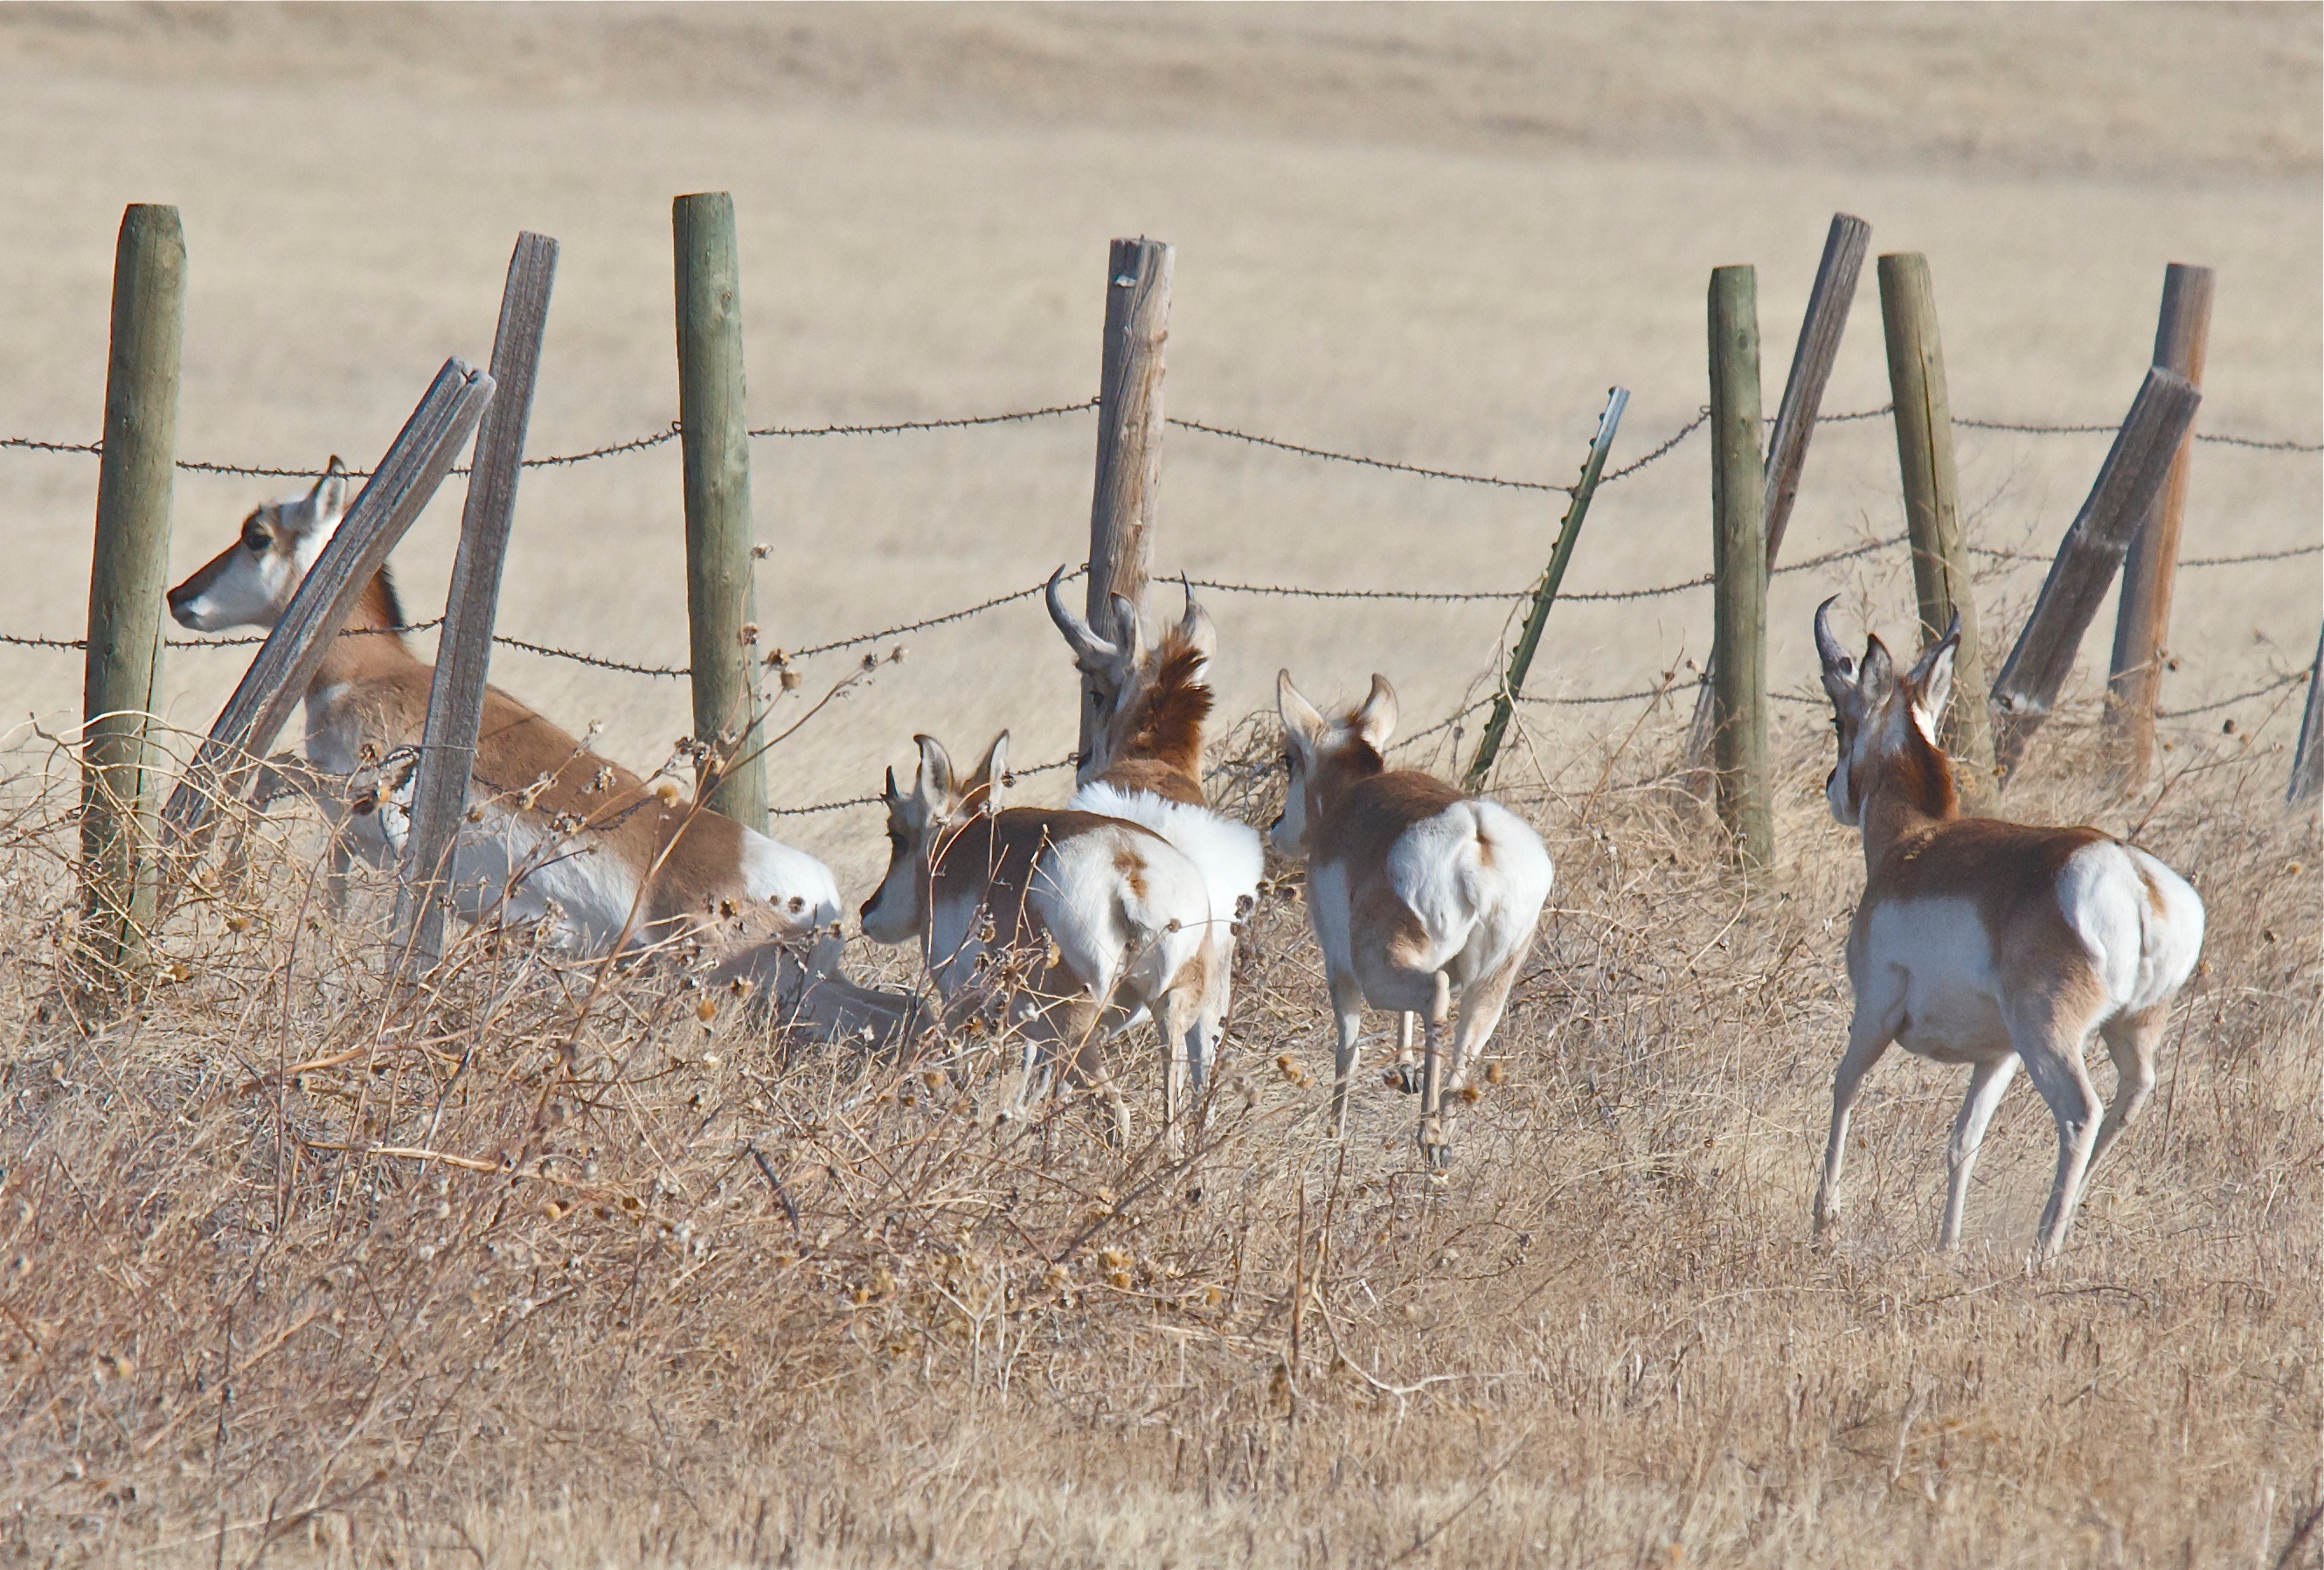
x,y
554,832
1417,892
1106,914
1986,943
1146,765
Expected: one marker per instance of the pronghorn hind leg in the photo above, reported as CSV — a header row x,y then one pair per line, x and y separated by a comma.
x,y
1480,1010
1868,1036
1348,1012
1405,1074
1174,1015
2131,1040
2050,1039
1434,1144
1987,1082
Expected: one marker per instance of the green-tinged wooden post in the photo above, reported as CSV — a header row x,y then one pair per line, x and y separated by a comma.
x,y
1544,594
2142,625
720,604
1932,483
1739,506
128,574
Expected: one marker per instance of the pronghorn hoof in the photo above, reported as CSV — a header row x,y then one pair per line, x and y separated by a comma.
x,y
1404,1076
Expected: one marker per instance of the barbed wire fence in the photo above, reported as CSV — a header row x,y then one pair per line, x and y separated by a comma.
x,y
1452,722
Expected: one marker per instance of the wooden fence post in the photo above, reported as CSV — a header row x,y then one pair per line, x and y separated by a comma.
x,y
1931,483
1813,358
276,682
2308,759
2142,625
464,651
1739,499
721,601
128,572
1545,593
1129,442
2127,485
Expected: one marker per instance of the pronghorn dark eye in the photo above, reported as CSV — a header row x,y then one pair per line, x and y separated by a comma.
x,y
257,541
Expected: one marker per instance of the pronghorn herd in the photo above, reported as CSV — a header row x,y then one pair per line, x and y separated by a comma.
x,y
1976,942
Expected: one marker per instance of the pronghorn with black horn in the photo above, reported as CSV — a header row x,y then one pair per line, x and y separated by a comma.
x,y
1146,765
1421,895
1106,915
1990,943
553,833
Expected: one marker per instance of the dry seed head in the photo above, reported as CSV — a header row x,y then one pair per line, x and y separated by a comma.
x,y
705,1011
666,789
1493,1072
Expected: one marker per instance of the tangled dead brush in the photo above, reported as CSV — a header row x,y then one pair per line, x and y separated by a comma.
x,y
551,1260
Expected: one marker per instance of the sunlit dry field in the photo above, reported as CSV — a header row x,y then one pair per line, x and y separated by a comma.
x,y
671,1291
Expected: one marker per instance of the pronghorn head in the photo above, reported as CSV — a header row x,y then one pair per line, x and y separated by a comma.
x,y
1322,754
917,820
250,583
1885,724
1147,701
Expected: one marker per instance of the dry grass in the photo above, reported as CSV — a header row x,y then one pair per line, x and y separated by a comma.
x,y
674,1292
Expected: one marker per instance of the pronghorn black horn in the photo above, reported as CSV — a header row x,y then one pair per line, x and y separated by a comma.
x,y
1835,658
1085,643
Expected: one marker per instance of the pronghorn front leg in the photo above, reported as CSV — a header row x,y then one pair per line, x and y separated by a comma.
x,y
1868,1036
1987,1082
1404,1074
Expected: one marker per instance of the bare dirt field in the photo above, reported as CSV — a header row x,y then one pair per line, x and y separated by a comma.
x,y
767,1305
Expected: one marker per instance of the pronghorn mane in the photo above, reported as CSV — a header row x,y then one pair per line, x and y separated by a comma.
x,y
1917,764
390,602
1356,755
1166,722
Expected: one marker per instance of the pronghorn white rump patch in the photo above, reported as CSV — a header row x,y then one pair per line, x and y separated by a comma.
x,y
1475,871
2140,955
1228,854
795,885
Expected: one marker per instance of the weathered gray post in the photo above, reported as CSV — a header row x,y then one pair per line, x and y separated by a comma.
x,y
2142,625
128,574
1924,454
2128,484
464,652
422,453
1739,568
1813,358
2308,759
721,603
1129,440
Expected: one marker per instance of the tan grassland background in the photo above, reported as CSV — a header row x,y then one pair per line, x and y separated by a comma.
x,y
1433,235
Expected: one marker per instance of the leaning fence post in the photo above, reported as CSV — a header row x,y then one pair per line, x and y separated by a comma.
x,y
721,601
2142,625
1813,358
2129,483
128,571
1545,593
464,651
1931,485
276,682
2308,759
1129,442
1739,568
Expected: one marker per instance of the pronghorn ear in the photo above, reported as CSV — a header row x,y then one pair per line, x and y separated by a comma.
x,y
982,791
1302,722
934,789
1376,721
1128,630
1930,681
1091,652
1878,675
328,499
